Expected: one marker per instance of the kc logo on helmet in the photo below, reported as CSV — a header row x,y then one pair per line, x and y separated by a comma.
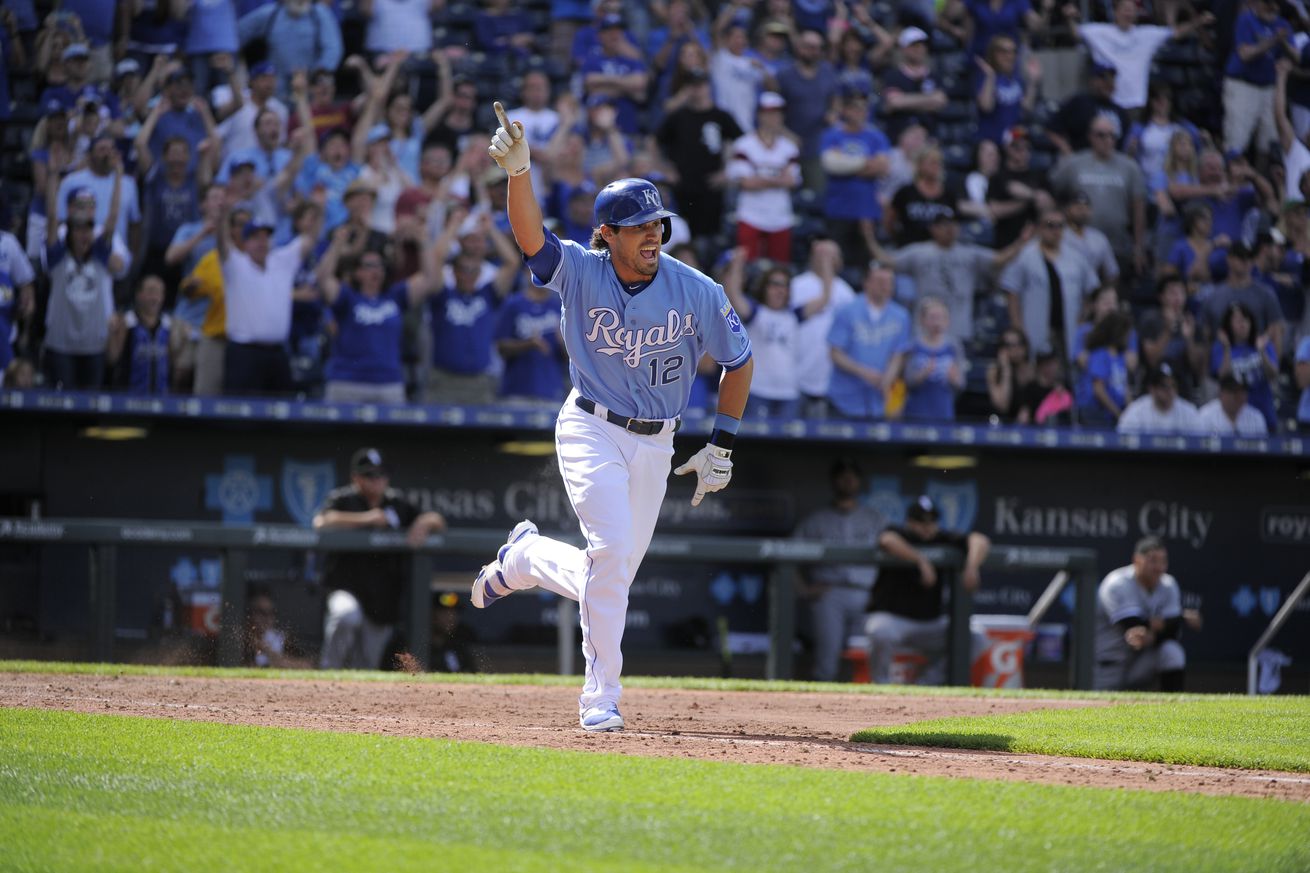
x,y
652,198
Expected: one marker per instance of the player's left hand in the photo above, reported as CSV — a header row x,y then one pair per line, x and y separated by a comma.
x,y
713,468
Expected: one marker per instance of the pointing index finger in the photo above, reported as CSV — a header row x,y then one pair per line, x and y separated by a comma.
x,y
500,115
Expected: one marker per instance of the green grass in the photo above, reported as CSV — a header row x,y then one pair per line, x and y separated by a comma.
x,y
688,683
1250,732
93,792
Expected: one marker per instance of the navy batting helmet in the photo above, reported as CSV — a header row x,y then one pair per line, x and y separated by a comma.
x,y
630,202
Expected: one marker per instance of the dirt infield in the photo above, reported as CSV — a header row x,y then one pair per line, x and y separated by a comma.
x,y
806,730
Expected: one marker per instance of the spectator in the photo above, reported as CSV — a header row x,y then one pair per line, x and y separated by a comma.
x,y
1192,256
406,25
1019,192
986,165
295,34
17,298
326,111
142,344
682,24
607,153
1152,141
1249,76
82,267
1046,401
1302,375
383,176
326,175
245,102
933,366
1242,287
1250,358
528,340
671,92
463,316
905,609
809,86
1048,285
736,74
78,86
697,139
405,131
1160,410
58,32
853,58
1230,415
172,199
1168,335
910,94
264,644
1295,226
1104,302
1004,98
814,363
1296,157
1175,183
178,114
765,167
100,177
1102,391
950,270
205,283
838,594
586,41
855,157
1115,190
1087,240
367,589
1071,124
365,365
257,282
1139,618
539,120
998,19
617,71
1008,374
1129,47
1233,189
775,388
865,337
98,19
902,162
916,207
211,41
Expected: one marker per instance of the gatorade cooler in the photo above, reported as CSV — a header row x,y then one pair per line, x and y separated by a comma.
x,y
203,611
1000,663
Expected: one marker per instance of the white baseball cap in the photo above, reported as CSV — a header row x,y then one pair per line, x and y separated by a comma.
x,y
911,35
772,100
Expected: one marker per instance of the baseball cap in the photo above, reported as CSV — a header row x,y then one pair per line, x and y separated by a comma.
x,y
1018,133
910,35
943,213
367,461
76,50
82,192
1100,68
1231,383
263,68
359,186
255,225
181,74
594,100
126,67
1077,195
378,132
772,100
922,509
1239,249
55,106
610,21
1159,375
240,164
777,28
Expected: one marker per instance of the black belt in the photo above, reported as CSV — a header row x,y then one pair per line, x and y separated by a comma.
x,y
632,425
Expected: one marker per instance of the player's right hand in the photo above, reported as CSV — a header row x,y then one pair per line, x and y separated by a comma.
x,y
509,148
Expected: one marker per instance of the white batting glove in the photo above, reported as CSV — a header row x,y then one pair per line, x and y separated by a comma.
x,y
509,148
713,468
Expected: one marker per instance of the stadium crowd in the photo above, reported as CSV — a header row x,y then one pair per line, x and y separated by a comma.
x,y
972,210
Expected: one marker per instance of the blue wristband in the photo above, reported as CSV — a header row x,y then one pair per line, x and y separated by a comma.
x,y
726,423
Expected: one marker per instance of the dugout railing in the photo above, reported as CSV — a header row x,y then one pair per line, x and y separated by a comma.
x,y
103,538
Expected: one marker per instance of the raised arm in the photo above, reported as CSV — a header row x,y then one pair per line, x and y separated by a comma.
x,y
115,263
509,148
326,271
1286,135
145,159
373,109
825,267
446,84
210,148
734,280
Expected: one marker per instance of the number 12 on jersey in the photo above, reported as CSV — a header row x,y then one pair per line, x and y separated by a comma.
x,y
665,372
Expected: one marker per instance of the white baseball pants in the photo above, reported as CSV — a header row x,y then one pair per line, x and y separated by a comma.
x,y
615,481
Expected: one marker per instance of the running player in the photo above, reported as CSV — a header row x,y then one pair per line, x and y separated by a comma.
x,y
635,322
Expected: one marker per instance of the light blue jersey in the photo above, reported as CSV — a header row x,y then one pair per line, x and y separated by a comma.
x,y
636,353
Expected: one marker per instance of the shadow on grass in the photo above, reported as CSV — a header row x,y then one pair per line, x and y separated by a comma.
x,y
943,739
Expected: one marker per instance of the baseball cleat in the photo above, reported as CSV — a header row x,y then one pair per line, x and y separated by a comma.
x,y
601,718
490,585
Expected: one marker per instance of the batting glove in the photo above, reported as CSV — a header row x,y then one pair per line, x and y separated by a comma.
x,y
713,468
508,146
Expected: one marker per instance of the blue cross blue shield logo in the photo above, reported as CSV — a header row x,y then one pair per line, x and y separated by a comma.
x,y
304,486
238,491
956,501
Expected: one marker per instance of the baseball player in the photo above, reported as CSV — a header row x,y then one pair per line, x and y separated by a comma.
x,y
1139,617
635,322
